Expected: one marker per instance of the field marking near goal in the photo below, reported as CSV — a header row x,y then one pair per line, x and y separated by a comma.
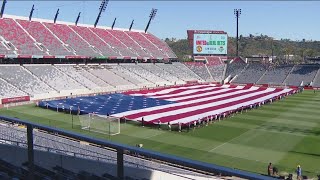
x,y
153,135
229,140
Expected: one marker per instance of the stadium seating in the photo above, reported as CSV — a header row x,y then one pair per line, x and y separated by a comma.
x,y
20,37
200,69
44,36
216,67
94,40
302,75
146,44
111,78
71,147
132,45
316,81
276,75
235,68
85,72
12,32
24,80
8,91
115,43
54,77
160,44
77,76
160,72
145,73
251,74
175,71
185,71
68,36
130,76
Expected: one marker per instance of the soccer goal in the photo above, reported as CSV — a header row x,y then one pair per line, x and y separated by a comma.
x,y
101,124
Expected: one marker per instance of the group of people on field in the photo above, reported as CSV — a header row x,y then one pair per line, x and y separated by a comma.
x,y
273,171
213,118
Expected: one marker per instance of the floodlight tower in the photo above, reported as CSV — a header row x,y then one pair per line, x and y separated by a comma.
x,y
31,12
237,13
56,16
3,7
76,23
151,16
102,8
114,22
131,25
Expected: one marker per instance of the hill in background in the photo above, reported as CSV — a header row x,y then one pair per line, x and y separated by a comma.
x,y
256,45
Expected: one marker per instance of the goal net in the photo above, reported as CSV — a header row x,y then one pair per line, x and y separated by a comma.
x,y
101,124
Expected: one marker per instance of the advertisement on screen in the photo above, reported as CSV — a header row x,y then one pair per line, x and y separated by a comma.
x,y
210,44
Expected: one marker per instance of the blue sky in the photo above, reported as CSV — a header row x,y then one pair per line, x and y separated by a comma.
x,y
286,19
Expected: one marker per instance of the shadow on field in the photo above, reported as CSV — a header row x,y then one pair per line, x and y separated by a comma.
x,y
284,129
304,153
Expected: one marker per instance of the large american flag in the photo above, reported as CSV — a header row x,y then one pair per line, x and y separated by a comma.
x,y
194,102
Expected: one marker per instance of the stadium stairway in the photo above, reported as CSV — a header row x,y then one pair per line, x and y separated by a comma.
x,y
183,68
114,42
173,72
146,44
150,81
23,42
43,35
88,70
95,41
71,77
38,78
155,71
242,71
285,80
261,77
70,37
316,80
124,76
129,42
10,90
160,44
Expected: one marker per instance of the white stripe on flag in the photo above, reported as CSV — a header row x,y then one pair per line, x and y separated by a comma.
x,y
192,108
127,113
165,91
222,110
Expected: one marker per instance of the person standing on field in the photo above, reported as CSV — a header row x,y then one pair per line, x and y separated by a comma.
x,y
299,172
142,122
270,169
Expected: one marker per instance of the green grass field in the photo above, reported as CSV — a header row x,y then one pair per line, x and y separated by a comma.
x,y
286,133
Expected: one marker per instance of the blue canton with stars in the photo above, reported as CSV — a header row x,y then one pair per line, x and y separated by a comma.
x,y
104,104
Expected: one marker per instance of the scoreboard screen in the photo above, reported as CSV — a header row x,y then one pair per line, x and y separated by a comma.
x,y
210,44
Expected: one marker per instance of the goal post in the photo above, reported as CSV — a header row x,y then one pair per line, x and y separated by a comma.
x,y
101,124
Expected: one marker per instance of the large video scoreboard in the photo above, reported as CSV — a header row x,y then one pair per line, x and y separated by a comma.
x,y
208,42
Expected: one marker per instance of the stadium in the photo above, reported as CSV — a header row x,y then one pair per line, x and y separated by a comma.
x,y
84,101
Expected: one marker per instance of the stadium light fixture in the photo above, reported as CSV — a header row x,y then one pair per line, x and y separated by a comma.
x,y
131,25
76,23
56,16
102,8
114,22
237,13
3,7
151,17
31,12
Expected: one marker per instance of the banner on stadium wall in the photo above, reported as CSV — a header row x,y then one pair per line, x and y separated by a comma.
x,y
15,99
76,57
101,57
